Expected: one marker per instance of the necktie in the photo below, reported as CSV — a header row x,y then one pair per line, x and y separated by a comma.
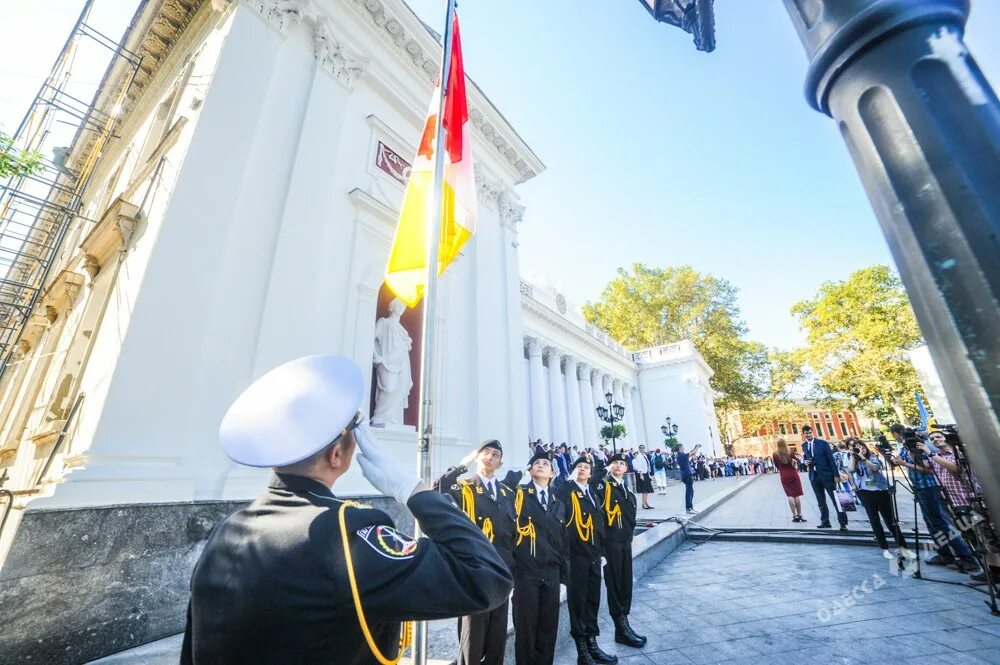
x,y
493,490
542,498
586,493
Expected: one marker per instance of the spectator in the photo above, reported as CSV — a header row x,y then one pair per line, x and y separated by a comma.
x,y
869,477
660,471
928,491
643,476
687,474
823,476
788,474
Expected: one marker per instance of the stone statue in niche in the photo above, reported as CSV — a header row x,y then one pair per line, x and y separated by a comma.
x,y
392,367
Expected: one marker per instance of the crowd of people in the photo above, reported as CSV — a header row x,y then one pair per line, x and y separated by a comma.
x,y
854,472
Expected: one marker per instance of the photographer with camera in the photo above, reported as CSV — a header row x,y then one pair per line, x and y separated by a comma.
x,y
915,456
869,477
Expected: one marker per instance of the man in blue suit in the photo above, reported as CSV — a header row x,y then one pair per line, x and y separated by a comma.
x,y
823,476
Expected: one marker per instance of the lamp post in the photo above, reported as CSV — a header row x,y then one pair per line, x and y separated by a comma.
x,y
922,124
610,414
670,429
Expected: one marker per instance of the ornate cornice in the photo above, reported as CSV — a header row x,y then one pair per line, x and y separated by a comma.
x,y
422,49
333,58
497,196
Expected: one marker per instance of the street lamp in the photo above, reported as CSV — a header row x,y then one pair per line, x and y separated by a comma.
x,y
694,16
610,414
670,429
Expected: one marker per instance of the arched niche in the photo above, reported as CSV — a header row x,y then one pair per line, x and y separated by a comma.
x,y
412,321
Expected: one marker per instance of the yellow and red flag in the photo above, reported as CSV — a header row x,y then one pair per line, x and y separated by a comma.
x,y
406,272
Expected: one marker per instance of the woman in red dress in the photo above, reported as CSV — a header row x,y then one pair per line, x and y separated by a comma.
x,y
788,471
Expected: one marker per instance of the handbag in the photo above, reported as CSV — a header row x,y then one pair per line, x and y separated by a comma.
x,y
846,501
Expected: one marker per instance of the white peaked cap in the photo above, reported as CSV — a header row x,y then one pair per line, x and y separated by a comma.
x,y
292,411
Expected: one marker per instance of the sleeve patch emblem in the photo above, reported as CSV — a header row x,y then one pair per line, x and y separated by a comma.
x,y
388,542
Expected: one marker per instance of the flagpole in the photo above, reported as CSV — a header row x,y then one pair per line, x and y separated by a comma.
x,y
425,425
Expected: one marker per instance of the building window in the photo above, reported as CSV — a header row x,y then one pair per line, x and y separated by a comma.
x,y
843,425
781,428
795,428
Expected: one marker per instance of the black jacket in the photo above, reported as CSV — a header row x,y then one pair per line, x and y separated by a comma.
x,y
544,559
619,506
272,585
493,517
587,537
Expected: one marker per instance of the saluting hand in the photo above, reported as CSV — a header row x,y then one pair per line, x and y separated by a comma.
x,y
382,470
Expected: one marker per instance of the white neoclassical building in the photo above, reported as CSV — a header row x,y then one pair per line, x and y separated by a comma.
x,y
240,216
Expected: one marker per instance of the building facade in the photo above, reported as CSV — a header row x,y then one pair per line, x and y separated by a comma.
x,y
830,424
241,216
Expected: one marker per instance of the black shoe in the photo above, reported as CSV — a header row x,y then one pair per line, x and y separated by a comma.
x,y
596,654
969,567
625,636
582,654
938,560
843,527
824,525
635,635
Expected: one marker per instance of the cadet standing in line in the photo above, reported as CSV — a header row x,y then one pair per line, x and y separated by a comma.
x,y
482,636
619,506
585,527
541,562
299,576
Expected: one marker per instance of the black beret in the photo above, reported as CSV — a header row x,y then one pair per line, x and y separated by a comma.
x,y
537,456
617,457
582,460
491,443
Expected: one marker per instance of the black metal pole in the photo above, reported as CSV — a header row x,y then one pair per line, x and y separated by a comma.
x,y
923,127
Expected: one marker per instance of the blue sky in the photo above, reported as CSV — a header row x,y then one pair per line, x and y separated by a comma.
x,y
656,153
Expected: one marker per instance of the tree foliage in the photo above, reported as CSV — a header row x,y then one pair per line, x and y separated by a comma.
x,y
858,334
17,162
653,306
783,374
616,431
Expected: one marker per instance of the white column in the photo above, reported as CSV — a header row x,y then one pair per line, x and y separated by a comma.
x,y
587,412
539,414
573,403
634,434
597,392
557,395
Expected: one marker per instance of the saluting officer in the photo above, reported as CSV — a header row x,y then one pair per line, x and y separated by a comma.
x,y
482,636
300,576
584,526
619,506
541,563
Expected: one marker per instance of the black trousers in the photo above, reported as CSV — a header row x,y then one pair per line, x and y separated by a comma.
x,y
878,502
536,621
618,577
584,595
822,490
482,638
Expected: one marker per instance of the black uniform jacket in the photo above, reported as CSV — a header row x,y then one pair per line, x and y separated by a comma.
x,y
272,586
545,561
593,546
500,513
619,508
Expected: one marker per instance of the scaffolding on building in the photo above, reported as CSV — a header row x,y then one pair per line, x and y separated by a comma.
x,y
37,210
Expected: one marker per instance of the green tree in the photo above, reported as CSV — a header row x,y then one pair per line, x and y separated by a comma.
x,y
782,375
17,162
858,334
653,306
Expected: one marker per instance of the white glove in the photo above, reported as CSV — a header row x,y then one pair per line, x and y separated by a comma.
x,y
382,470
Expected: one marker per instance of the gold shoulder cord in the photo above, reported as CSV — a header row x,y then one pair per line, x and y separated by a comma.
x,y
523,531
469,508
406,631
584,528
612,513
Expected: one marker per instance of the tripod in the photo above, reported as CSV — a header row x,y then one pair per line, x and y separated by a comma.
x,y
901,560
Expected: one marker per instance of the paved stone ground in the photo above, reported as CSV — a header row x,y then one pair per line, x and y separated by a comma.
x,y
755,603
763,505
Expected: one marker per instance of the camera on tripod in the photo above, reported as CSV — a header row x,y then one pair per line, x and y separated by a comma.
x,y
884,446
911,441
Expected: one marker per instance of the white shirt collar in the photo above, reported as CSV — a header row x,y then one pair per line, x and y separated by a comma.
x,y
486,481
584,488
539,488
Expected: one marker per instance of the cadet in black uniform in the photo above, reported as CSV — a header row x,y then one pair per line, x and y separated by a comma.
x,y
584,525
541,563
619,506
482,637
302,577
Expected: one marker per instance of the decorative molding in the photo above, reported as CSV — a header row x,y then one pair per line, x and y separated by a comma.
x,y
61,294
390,28
534,347
281,14
333,58
554,353
112,234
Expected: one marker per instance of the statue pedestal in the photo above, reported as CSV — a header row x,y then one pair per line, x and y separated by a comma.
x,y
394,429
